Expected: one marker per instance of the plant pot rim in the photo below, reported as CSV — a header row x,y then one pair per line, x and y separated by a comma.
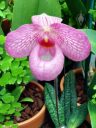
x,y
43,109
62,79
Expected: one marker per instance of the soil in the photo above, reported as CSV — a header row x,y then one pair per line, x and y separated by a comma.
x,y
31,108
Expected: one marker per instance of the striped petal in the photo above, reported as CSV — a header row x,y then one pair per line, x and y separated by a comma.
x,y
20,42
45,20
46,64
74,43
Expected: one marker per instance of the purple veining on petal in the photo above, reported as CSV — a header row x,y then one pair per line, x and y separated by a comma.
x,y
44,69
20,42
74,43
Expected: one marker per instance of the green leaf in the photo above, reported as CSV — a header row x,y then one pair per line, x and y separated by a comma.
x,y
92,112
9,123
15,64
1,51
2,118
65,8
15,126
76,7
51,7
5,78
1,31
2,4
11,111
27,99
29,8
93,13
20,71
4,108
19,80
22,12
91,34
2,39
3,92
94,87
16,105
17,114
1,103
17,92
73,91
21,59
12,80
50,102
8,117
2,14
27,78
8,98
67,93
92,84
8,13
6,63
15,68
78,116
0,125
94,96
25,63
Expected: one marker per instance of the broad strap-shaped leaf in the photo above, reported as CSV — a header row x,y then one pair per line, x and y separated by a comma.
x,y
68,98
78,116
67,93
62,103
91,34
24,9
92,112
73,91
22,12
51,7
50,102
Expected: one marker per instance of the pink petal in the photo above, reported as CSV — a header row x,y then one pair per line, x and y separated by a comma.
x,y
47,68
74,43
20,42
45,20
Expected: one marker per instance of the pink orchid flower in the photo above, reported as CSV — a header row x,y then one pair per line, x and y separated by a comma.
x,y
46,41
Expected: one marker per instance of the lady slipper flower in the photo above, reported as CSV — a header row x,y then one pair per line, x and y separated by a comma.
x,y
46,41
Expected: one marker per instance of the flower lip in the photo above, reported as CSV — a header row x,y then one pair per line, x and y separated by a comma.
x,y
47,54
